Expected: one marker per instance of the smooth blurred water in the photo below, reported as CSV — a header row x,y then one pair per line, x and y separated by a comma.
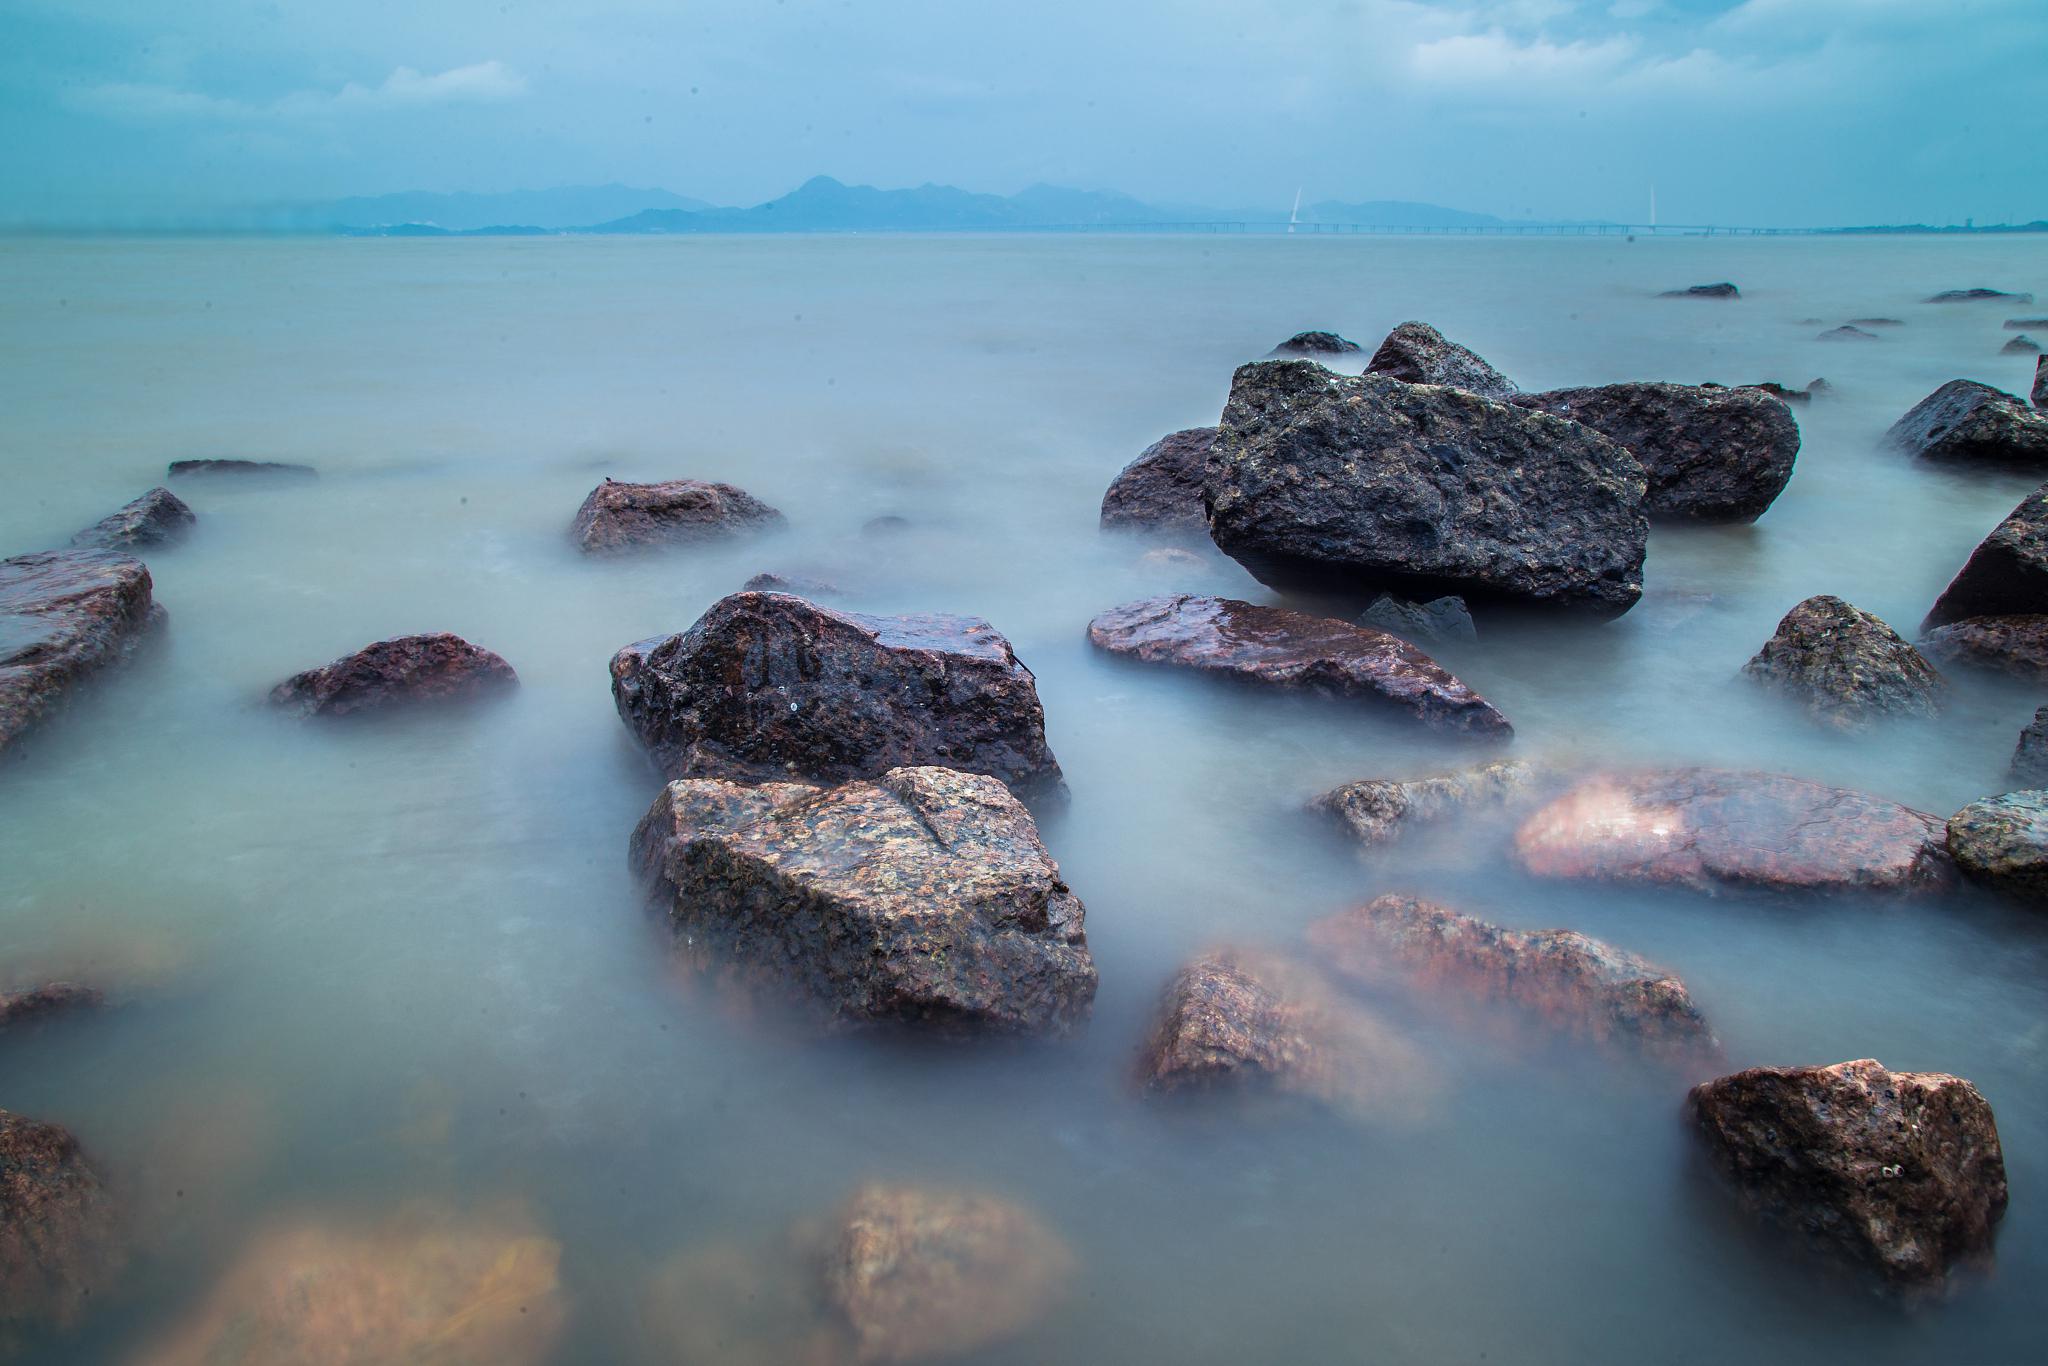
x,y
358,964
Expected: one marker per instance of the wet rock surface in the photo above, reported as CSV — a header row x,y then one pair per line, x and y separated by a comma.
x,y
1574,984
406,671
923,896
1845,667
1272,647
1357,485
2016,645
1440,620
1377,811
2007,574
770,686
28,1006
65,615
619,516
240,469
57,1227
1416,353
1721,290
2002,842
1965,422
1162,489
1707,454
2030,755
158,517
1897,1172
1315,344
1712,829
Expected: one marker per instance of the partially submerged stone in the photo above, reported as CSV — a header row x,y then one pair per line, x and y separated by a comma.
x,y
241,469
406,671
2022,345
1978,295
65,616
1377,811
33,1005
1272,647
1897,1172
1721,290
1965,422
1162,489
620,516
158,517
1437,621
2007,574
57,1227
1315,344
1845,667
1416,353
2030,755
1845,333
922,896
2002,842
2016,645
801,585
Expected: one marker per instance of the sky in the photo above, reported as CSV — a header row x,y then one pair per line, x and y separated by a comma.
x,y
1746,112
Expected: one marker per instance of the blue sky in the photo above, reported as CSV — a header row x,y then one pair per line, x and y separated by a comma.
x,y
1740,111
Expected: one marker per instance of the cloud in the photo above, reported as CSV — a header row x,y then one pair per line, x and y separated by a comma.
x,y
486,82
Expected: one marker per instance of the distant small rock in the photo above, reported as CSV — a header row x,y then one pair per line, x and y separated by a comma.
x,y
2007,574
1847,333
1877,322
1964,296
1315,344
2022,324
1377,811
267,469
1845,666
405,671
2030,755
1162,489
158,517
1817,387
2022,345
1416,353
1438,621
2002,842
620,516
2016,645
1970,423
1723,290
802,585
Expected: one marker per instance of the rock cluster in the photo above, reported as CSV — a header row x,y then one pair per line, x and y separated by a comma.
x,y
65,616
1845,667
405,671
620,516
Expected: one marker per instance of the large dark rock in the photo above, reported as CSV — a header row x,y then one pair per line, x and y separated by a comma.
x,y
1443,620
767,686
33,1005
65,615
158,517
1315,344
2007,574
405,671
1898,1172
1273,647
1722,290
57,1227
2030,755
922,896
241,469
1965,422
1845,666
2017,645
1354,486
1710,829
1572,983
1162,489
1377,811
2002,842
1416,353
1708,454
1966,296
620,516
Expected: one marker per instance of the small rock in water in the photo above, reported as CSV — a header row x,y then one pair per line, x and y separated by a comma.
x,y
1877,322
432,668
1964,421
2022,324
66,616
2030,755
1845,666
1817,387
1377,811
1847,333
57,1242
1723,290
1962,296
888,524
2017,645
1439,621
1416,353
1897,1172
263,469
1162,489
801,585
2002,842
158,517
620,516
2007,574
1315,344
2022,345
32,1005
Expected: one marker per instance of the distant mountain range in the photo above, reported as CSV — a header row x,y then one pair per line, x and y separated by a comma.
x,y
567,207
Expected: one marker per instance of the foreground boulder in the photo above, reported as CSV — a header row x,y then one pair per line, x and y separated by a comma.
x,y
2017,645
767,685
402,672
1572,983
620,516
2030,755
1357,485
65,615
1272,647
1964,422
1710,829
1315,344
241,469
2007,574
56,1227
1416,353
158,517
1377,811
921,896
1162,489
1898,1172
2002,842
1845,666
1440,620
1722,290
1708,454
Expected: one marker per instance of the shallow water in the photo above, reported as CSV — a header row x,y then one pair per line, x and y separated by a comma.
x,y
361,964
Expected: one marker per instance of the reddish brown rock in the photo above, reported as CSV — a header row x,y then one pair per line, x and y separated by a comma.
x,y
2017,645
1709,829
1845,667
1273,647
2007,574
158,517
65,616
620,516
56,1226
1900,1172
1162,489
1377,811
1573,983
402,672
31,1005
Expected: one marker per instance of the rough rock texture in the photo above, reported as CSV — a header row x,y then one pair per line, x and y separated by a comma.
x,y
1315,344
158,517
1378,811
1252,1020
56,1226
922,896
2040,394
421,1286
264,469
1845,666
1574,984
1900,1172
31,1005
1421,623
1846,333
1710,829
1355,486
1962,296
1416,353
1967,422
1707,454
1162,489
2017,645
2003,842
64,616
626,516
2030,755
2022,345
1273,647
410,669
1723,290
767,685
2007,574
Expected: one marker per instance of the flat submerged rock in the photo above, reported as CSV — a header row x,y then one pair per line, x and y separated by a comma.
x,y
65,615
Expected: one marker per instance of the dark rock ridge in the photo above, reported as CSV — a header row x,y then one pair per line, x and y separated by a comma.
x,y
405,671
1723,290
1315,344
158,517
922,896
1707,454
265,469
1846,333
1377,811
2017,645
1709,829
1574,984
1845,666
1968,422
56,1226
1162,489
2030,755
65,615
1273,647
2022,345
1416,353
620,516
32,1005
1962,296
2002,842
1898,1172
769,686
1357,485
1445,619
2007,574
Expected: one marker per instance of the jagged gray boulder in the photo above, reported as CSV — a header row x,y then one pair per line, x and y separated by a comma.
x,y
1845,666
1966,422
1438,621
1417,353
